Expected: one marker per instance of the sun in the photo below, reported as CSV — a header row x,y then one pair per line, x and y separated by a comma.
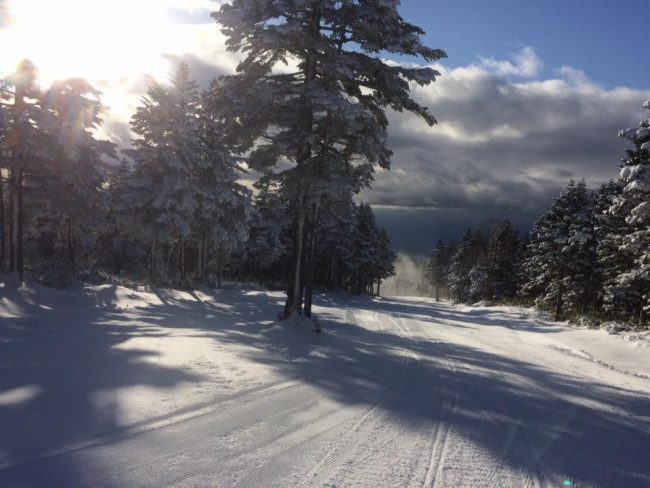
x,y
95,39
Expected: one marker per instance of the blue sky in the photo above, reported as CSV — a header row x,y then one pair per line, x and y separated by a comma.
x,y
607,39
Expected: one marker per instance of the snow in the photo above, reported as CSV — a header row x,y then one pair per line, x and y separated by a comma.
x,y
109,386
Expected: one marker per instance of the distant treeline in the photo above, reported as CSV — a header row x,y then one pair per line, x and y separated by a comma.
x,y
587,257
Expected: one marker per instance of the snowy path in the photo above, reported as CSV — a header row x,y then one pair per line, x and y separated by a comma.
x,y
117,388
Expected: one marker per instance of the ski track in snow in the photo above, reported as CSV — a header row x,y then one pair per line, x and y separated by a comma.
x,y
195,389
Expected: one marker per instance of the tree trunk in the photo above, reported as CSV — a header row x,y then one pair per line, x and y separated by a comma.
x,y
181,260
295,291
2,223
10,194
152,264
18,234
206,257
71,253
219,266
294,295
16,186
437,293
378,287
203,258
309,280
641,314
560,293
199,262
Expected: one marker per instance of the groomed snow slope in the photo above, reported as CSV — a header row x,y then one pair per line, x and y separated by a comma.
x,y
120,388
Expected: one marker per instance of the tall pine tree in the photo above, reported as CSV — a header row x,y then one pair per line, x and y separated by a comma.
x,y
630,287
312,91
159,197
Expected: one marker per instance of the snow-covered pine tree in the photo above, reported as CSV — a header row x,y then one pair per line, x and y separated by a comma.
x,y
312,91
612,260
118,251
365,248
386,258
222,214
438,268
480,287
67,190
159,200
631,286
503,257
560,268
268,241
461,264
25,149
336,241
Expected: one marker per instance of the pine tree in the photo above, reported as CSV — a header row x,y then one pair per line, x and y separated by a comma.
x,y
386,257
560,269
269,239
223,209
503,257
462,262
159,199
335,246
365,248
612,261
630,288
54,165
68,186
25,149
328,111
438,268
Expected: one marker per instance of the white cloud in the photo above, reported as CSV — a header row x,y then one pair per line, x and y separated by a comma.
x,y
504,148
525,64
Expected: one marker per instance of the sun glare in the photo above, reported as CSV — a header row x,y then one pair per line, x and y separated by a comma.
x,y
94,39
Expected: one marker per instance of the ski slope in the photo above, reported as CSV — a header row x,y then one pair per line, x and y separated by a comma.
x,y
112,387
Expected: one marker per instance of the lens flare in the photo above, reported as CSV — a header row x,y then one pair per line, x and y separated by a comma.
x,y
93,39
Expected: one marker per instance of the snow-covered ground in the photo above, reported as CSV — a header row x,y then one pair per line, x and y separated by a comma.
x,y
108,386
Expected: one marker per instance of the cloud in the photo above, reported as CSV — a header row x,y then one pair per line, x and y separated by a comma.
x,y
507,140
501,149
525,64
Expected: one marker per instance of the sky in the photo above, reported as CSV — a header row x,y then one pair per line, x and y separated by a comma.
x,y
531,95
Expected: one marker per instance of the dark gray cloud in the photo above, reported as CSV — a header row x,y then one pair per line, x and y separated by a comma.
x,y
505,145
503,148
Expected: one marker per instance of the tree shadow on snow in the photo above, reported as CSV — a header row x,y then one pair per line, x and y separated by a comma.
x,y
525,416
60,359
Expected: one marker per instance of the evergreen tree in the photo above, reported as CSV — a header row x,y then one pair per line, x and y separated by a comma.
x,y
335,246
560,269
67,189
465,258
503,256
54,167
612,260
159,199
223,211
268,242
629,286
328,111
386,257
438,268
25,149
365,248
